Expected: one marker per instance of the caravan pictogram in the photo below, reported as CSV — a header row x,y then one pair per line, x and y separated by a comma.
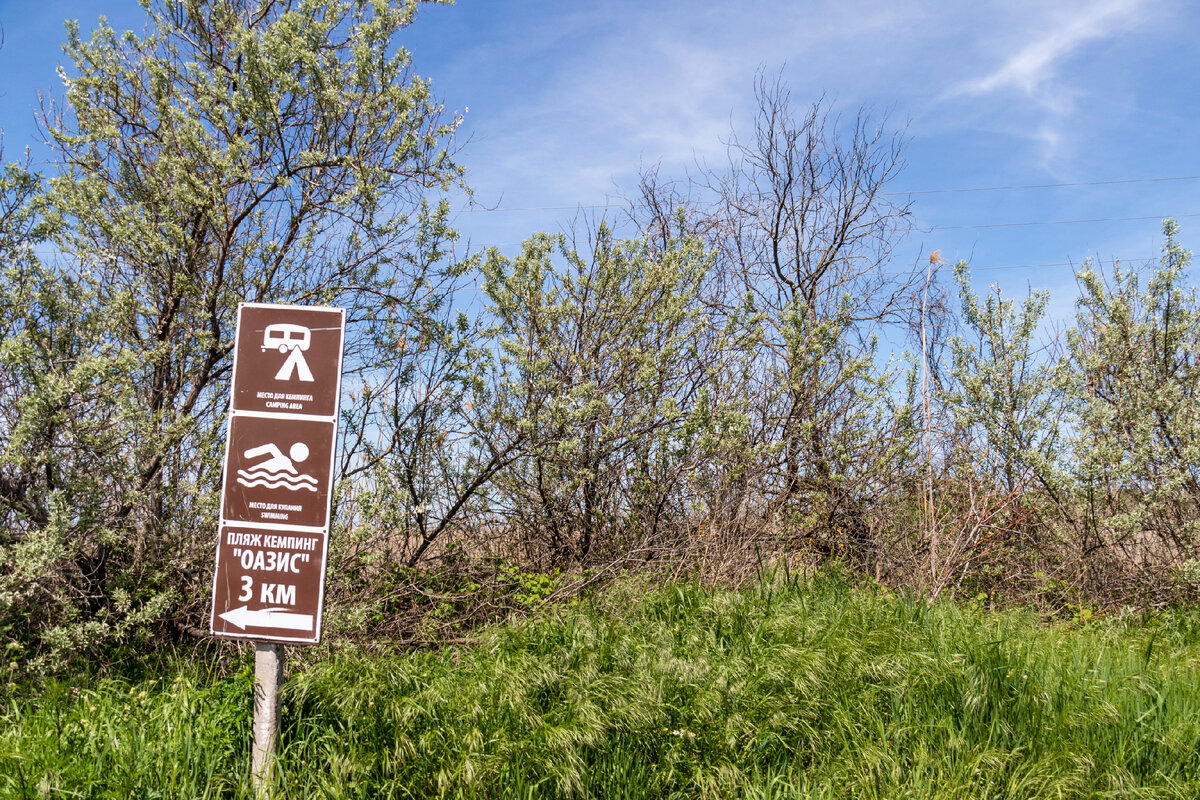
x,y
269,578
293,340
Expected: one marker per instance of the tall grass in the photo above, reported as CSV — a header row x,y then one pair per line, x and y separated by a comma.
x,y
798,688
184,734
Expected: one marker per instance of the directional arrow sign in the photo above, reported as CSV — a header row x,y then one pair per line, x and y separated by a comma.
x,y
269,583
268,618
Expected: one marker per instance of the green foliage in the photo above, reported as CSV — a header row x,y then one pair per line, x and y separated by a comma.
x,y
232,152
1093,444
1135,374
72,428
529,589
832,404
602,361
182,734
702,391
1006,390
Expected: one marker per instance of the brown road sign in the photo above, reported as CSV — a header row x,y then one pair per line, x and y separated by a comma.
x,y
274,527
277,471
288,359
269,584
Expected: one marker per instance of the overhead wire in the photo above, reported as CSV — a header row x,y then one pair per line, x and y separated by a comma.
x,y
1047,185
895,193
918,228
1118,259
986,225
932,228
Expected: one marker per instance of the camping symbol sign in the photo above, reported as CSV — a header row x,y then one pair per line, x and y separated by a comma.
x,y
291,367
270,567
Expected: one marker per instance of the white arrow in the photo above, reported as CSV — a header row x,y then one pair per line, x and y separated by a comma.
x,y
268,618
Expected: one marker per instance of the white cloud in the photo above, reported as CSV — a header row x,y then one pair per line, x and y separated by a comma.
x,y
671,80
567,106
1033,69
1035,89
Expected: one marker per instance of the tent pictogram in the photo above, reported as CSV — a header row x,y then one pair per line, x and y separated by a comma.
x,y
293,340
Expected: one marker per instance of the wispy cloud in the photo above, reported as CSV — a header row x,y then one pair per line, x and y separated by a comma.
x,y
1035,90
569,101
1034,69
671,81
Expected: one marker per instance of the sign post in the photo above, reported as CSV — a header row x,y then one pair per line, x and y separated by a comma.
x,y
268,675
273,532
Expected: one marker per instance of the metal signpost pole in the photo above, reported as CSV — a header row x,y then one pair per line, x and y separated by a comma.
x,y
268,674
273,532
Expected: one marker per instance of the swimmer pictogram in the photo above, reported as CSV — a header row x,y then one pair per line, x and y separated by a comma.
x,y
277,471
293,340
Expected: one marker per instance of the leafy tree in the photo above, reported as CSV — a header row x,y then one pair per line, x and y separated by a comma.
x,y
1135,375
998,461
803,228
239,150
806,227
605,360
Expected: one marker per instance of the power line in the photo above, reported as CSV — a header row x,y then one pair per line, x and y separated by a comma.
x,y
918,228
974,268
898,193
1050,222
986,225
1047,185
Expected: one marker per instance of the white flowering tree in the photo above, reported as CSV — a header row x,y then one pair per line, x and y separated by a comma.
x,y
236,150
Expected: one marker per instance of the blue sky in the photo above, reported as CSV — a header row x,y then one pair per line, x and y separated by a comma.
x,y
566,101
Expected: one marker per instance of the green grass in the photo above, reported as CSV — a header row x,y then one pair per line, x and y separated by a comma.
x,y
795,689
184,735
